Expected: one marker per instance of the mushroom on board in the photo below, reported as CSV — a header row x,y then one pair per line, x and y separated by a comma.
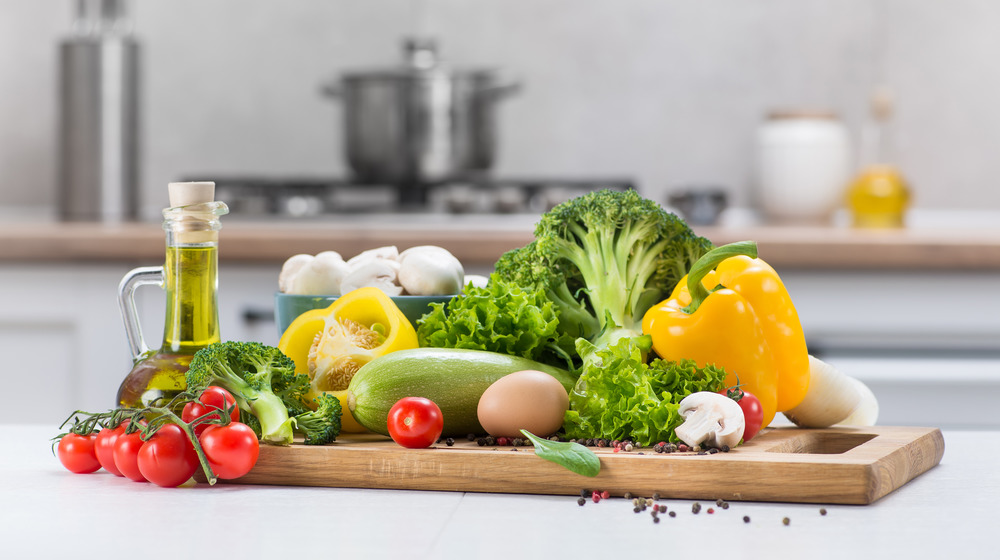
x,y
710,419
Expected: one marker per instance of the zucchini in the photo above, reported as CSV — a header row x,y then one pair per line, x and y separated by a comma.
x,y
453,378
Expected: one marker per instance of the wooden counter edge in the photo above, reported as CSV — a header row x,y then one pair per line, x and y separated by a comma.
x,y
783,247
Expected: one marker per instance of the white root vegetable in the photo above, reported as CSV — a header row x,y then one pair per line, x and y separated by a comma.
x,y
428,270
710,419
377,273
866,413
831,398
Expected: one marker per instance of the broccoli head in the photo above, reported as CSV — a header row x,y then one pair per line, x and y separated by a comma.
x,y
605,258
263,381
320,426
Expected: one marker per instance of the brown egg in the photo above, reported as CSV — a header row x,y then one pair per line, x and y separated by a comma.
x,y
530,400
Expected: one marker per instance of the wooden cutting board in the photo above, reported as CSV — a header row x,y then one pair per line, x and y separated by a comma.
x,y
832,466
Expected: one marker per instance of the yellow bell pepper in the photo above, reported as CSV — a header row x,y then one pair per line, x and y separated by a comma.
x,y
331,344
733,311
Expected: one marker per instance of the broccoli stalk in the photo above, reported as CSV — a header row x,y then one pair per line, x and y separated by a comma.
x,y
604,259
264,383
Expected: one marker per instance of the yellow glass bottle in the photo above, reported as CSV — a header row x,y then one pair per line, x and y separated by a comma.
x,y
190,278
878,198
879,195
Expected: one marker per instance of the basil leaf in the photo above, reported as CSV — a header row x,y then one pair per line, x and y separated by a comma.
x,y
571,455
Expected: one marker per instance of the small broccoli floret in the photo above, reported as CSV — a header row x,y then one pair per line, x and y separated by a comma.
x,y
605,258
252,372
320,426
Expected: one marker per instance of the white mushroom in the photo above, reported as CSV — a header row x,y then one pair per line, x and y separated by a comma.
x,y
313,275
389,252
710,419
428,270
290,269
377,273
477,281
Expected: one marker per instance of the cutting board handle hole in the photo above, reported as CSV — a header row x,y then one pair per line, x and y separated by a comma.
x,y
821,443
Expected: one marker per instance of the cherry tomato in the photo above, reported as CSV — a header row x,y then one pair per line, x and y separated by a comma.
x,y
231,449
76,452
212,397
126,455
168,459
753,413
104,447
415,422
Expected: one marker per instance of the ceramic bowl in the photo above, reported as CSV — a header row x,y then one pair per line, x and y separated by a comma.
x,y
289,306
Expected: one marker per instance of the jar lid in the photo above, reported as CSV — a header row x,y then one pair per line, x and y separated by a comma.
x,y
420,61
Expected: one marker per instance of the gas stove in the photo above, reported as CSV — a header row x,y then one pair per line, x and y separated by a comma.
x,y
282,197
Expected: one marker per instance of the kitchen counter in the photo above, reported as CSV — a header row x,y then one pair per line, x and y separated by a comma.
x,y
479,240
49,513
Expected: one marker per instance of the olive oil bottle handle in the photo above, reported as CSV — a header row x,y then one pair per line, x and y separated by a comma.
x,y
142,276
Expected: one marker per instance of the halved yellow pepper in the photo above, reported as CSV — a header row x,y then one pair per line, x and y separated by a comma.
x,y
734,311
331,344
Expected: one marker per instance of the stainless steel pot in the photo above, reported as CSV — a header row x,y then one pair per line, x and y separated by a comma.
x,y
420,123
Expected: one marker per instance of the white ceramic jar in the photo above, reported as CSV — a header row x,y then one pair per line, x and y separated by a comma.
x,y
803,163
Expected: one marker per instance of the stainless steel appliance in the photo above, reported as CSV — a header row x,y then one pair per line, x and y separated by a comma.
x,y
303,197
421,122
99,116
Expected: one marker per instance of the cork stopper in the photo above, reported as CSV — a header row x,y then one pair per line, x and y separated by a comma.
x,y
186,194
193,213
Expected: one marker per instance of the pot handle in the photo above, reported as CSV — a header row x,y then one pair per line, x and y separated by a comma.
x,y
502,90
331,89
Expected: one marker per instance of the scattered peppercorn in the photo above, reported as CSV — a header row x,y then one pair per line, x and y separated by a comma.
x,y
470,437
596,496
628,447
710,510
449,442
581,501
584,493
725,449
672,513
656,519
663,509
695,507
605,495
822,511
481,442
683,448
786,521
656,496
746,519
627,496
725,505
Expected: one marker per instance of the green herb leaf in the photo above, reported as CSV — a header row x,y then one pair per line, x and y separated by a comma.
x,y
571,455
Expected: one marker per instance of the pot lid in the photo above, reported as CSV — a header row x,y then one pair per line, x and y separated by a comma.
x,y
420,60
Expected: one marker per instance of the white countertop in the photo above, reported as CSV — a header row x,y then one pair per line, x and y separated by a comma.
x,y
48,512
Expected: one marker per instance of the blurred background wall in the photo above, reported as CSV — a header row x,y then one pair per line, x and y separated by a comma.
x,y
669,92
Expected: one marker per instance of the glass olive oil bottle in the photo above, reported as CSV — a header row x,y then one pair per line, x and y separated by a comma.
x,y
190,278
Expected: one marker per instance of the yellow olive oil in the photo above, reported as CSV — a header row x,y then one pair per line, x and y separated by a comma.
x,y
192,322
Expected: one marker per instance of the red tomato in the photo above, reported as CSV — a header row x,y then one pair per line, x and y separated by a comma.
x,y
211,398
753,413
76,452
415,422
104,447
168,459
231,450
126,455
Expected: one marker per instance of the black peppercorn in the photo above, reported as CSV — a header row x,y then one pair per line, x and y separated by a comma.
x,y
822,511
581,501
786,521
695,507
746,519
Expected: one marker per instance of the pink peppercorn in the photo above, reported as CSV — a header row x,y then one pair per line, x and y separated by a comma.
x,y
605,494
